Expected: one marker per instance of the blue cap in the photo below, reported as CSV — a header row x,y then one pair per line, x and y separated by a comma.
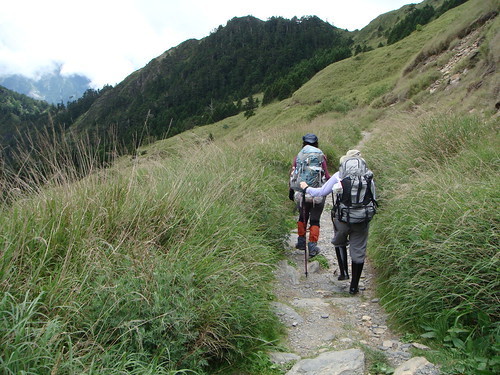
x,y
310,138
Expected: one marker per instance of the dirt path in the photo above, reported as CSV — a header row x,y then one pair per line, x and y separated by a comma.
x,y
319,312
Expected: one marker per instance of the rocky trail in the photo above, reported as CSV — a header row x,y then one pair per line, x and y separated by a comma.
x,y
330,331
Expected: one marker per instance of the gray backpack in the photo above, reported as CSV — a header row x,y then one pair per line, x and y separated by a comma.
x,y
357,202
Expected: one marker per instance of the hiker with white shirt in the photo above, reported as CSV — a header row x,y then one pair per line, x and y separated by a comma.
x,y
354,208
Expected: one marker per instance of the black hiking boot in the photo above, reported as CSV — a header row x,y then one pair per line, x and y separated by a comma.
x,y
356,274
341,252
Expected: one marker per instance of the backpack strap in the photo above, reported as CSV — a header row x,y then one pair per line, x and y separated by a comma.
x,y
369,194
345,197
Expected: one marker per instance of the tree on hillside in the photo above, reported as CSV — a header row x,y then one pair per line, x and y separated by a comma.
x,y
415,16
286,85
250,106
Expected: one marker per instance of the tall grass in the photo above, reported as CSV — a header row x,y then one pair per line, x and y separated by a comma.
x,y
162,264
435,243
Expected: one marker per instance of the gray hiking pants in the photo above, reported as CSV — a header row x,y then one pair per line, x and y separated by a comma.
x,y
356,235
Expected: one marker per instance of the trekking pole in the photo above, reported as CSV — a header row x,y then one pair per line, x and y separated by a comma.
x,y
306,252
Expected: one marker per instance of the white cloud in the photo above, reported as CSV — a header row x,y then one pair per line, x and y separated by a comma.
x,y
108,39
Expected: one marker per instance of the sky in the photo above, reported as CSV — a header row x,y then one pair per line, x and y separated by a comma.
x,y
106,40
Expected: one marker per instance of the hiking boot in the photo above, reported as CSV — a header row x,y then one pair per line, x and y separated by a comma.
x,y
341,252
301,243
356,269
313,249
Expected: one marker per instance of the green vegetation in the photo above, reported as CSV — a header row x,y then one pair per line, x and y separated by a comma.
x,y
26,123
122,262
417,17
436,242
200,82
19,112
161,263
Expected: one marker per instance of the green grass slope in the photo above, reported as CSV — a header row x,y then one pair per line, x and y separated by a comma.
x,y
162,264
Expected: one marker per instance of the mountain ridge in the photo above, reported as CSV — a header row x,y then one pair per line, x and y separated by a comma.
x,y
203,81
179,86
52,87
170,109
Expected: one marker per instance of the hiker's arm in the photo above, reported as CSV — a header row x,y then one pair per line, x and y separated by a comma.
x,y
292,168
323,190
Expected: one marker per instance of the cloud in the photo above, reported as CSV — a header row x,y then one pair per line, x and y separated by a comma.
x,y
107,40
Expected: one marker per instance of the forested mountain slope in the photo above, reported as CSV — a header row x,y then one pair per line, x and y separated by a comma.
x,y
202,81
19,113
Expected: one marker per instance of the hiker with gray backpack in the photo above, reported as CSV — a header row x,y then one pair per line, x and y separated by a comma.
x,y
308,166
355,205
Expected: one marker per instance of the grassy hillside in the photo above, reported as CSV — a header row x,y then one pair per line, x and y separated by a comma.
x,y
376,32
162,264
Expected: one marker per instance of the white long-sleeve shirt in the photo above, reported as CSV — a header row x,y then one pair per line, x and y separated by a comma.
x,y
326,189
333,184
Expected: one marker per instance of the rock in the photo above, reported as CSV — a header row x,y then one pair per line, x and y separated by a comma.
x,y
313,267
286,314
309,303
420,346
324,293
455,79
282,263
346,362
397,356
292,275
345,340
405,346
378,331
388,344
283,358
417,366
330,337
